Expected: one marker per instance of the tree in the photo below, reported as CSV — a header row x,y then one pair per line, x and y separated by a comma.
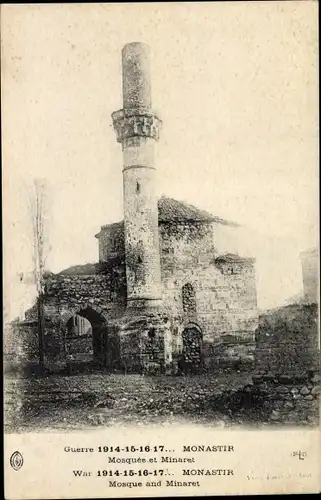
x,y
38,208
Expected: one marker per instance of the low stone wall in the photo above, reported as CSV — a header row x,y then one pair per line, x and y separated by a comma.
x,y
287,364
269,403
289,400
232,352
20,347
287,341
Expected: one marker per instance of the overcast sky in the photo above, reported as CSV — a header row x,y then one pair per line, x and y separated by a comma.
x,y
236,87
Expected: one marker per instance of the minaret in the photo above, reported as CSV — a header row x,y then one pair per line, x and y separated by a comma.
x,y
137,129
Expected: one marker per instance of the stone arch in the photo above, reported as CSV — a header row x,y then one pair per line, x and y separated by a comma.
x,y
192,324
192,353
86,308
98,338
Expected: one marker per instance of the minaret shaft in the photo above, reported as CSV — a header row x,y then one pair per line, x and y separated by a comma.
x,y
137,129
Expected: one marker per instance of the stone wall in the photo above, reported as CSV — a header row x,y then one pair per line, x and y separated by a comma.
x,y
287,341
185,244
21,352
111,242
289,400
225,293
105,291
55,351
97,297
20,346
285,388
287,364
270,402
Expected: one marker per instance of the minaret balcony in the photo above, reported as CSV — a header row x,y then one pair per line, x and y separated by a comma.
x,y
136,123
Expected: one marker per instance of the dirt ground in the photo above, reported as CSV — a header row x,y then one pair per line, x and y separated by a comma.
x,y
74,402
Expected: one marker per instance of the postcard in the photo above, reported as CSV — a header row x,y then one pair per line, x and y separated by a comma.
x,y
161,254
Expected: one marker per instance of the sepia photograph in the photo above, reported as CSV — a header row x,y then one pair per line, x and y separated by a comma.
x,y
160,200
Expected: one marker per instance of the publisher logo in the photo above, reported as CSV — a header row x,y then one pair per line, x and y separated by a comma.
x,y
16,460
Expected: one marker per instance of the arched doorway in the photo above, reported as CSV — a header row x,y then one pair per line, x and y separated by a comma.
x,y
86,339
192,354
79,340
